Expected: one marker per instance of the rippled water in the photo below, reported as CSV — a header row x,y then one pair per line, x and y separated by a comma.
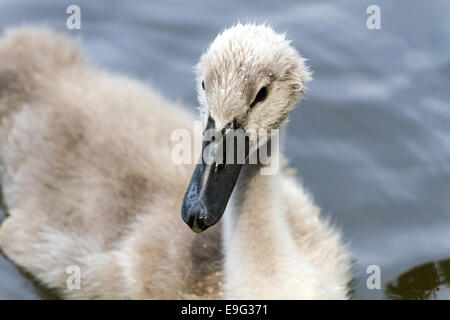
x,y
371,141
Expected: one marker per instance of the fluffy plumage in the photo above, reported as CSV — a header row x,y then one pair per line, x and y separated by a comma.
x,y
88,179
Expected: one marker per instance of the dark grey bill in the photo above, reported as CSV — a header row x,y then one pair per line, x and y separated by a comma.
x,y
210,187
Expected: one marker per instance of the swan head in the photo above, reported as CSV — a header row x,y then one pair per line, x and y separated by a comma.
x,y
249,79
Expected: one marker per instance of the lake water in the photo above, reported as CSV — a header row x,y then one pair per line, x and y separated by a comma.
x,y
371,141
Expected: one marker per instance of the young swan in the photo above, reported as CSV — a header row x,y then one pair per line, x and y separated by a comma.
x,y
91,188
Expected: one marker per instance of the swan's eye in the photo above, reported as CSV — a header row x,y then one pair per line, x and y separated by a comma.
x,y
261,96
203,84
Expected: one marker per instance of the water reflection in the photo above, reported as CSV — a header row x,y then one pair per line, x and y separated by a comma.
x,y
421,283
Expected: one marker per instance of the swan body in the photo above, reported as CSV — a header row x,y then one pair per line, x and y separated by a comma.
x,y
88,179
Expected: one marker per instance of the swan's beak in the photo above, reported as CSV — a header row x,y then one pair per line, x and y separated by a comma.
x,y
210,187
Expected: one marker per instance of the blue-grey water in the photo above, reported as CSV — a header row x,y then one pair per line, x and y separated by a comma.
x,y
371,140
